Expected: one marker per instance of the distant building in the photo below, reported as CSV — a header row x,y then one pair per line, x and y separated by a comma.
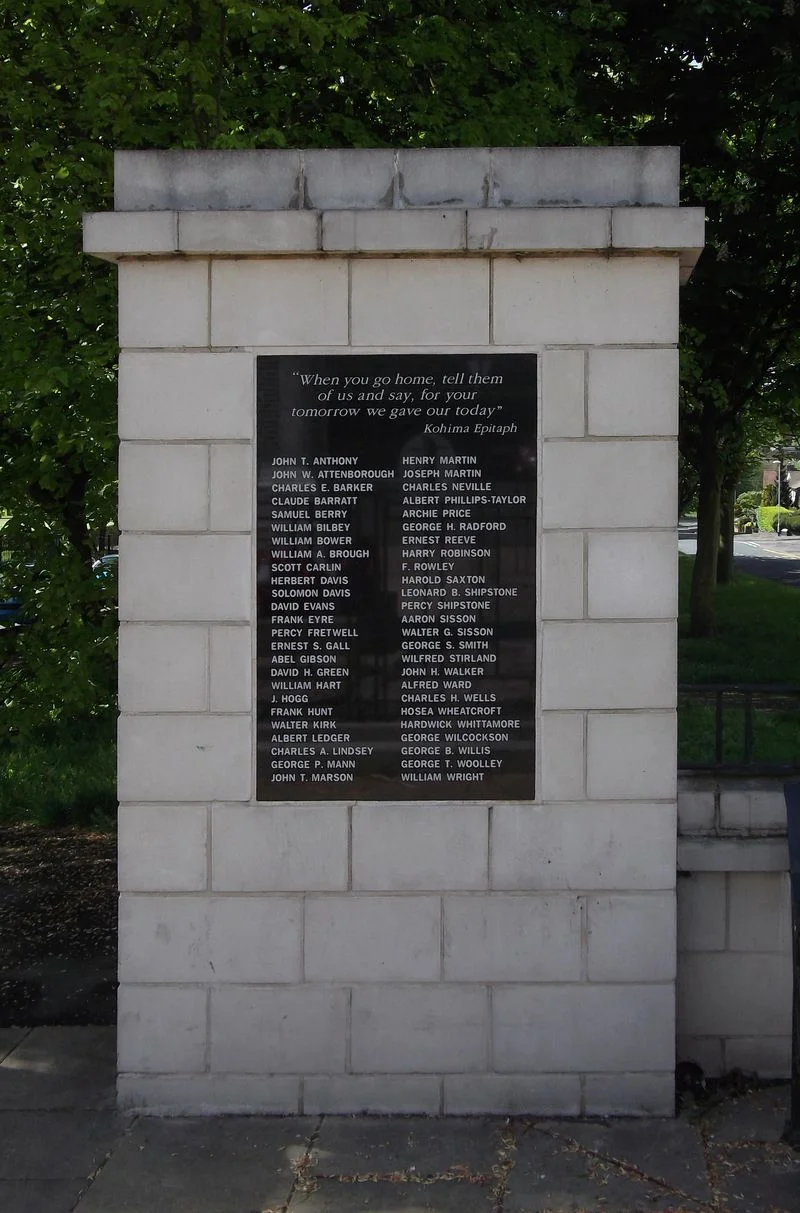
x,y
770,473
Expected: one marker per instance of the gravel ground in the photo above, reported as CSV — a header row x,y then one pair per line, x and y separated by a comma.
x,y
58,925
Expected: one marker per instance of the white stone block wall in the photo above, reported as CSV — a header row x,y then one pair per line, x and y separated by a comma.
x,y
426,957
734,927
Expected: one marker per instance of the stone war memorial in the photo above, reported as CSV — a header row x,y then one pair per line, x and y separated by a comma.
x,y
398,596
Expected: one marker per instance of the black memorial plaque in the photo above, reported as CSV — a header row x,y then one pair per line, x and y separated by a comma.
x,y
396,576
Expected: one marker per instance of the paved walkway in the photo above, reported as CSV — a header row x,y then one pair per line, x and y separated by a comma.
x,y
63,1148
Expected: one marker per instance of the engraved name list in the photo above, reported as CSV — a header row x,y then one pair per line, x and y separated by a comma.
x,y
396,558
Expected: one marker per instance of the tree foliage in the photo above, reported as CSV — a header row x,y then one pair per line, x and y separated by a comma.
x,y
79,80
717,77
720,79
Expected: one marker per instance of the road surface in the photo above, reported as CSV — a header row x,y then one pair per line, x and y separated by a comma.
x,y
762,555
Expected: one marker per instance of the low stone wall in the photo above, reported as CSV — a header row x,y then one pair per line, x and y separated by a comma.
x,y
734,926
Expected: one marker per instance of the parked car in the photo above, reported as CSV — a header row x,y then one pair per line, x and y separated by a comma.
x,y
106,566
9,610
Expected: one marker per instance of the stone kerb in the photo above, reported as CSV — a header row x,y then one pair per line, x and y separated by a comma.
x,y
436,956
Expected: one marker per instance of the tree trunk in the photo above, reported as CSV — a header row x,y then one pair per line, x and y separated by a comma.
x,y
73,514
704,579
725,557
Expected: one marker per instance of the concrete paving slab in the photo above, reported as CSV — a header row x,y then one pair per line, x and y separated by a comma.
x,y
237,1164
10,1038
55,1145
757,1179
557,1176
59,1067
756,1116
56,1135
333,1196
669,1151
410,1144
40,1196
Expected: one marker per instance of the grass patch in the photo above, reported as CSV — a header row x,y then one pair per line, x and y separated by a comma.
x,y
757,641
63,777
758,633
776,733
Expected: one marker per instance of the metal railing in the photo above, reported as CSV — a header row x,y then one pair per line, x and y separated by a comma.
x,y
739,728
791,1132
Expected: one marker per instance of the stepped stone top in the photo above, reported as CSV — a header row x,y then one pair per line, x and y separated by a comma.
x,y
529,201
385,179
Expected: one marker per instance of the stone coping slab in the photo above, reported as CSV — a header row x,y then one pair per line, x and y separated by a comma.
x,y
710,854
116,235
386,178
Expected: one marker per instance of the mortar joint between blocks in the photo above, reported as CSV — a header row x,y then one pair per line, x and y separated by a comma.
x,y
585,393
585,558
207,1046
209,878
441,939
489,827
490,1040
208,486
491,293
583,911
208,304
349,301
396,193
585,757
209,632
348,1033
301,188
303,909
254,433
350,848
